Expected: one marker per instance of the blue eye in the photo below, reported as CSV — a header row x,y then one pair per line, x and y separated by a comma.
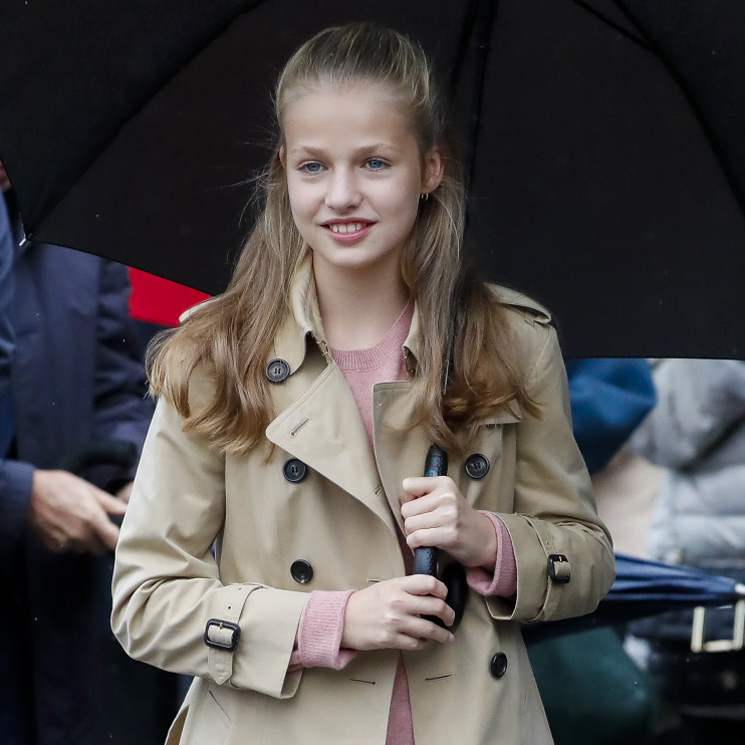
x,y
311,167
375,164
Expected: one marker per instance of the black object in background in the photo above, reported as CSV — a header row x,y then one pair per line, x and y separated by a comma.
x,y
608,172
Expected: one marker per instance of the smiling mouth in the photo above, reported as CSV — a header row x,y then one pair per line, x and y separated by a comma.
x,y
351,227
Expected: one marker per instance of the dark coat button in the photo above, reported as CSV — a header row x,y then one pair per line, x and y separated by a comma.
x,y
498,665
277,370
294,470
477,466
301,571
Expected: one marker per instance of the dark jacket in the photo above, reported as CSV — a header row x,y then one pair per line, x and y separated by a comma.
x,y
75,379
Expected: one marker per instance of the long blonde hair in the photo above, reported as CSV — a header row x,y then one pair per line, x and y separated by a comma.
x,y
467,365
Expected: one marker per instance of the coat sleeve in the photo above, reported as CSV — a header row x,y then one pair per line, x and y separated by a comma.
x,y
167,584
554,507
15,477
121,410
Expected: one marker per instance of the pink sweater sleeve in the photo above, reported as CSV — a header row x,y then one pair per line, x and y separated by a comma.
x,y
500,577
318,638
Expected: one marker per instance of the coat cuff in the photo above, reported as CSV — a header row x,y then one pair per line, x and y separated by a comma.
x,y
501,577
320,631
269,621
530,561
15,494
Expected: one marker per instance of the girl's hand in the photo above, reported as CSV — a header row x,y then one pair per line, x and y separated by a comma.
x,y
387,615
436,514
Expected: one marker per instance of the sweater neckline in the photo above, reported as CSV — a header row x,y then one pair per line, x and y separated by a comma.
x,y
350,360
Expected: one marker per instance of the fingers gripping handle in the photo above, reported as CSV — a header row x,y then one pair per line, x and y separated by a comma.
x,y
425,557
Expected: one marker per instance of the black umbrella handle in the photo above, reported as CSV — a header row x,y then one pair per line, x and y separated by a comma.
x,y
425,557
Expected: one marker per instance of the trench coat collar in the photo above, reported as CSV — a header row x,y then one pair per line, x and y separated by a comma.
x,y
411,343
304,320
321,424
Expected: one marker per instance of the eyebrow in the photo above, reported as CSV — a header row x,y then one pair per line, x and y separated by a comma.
x,y
361,151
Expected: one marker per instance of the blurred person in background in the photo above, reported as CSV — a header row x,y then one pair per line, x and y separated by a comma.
x,y
70,377
592,692
697,432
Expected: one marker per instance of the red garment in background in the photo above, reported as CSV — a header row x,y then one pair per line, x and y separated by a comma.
x,y
159,300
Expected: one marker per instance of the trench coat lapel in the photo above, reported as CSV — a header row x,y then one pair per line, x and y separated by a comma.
x,y
399,452
323,429
319,422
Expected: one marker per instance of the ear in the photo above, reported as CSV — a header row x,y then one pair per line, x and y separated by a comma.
x,y
433,169
282,156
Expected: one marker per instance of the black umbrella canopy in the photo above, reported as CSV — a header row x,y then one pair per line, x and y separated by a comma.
x,y
153,117
596,188
605,175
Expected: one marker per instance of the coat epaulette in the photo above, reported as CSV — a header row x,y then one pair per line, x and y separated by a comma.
x,y
523,303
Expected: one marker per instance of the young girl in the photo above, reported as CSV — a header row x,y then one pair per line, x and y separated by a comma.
x,y
295,415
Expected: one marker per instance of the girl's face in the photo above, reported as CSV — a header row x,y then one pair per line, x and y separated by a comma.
x,y
354,174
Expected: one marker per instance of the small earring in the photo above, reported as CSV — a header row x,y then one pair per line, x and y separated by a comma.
x,y
424,197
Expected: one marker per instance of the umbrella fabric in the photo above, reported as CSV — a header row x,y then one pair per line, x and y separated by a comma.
x,y
645,588
159,301
604,135
658,587
160,182
596,188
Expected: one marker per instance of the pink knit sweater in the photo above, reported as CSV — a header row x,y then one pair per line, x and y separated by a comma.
x,y
318,642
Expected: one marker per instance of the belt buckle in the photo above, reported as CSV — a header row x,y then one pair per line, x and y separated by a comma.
x,y
228,645
736,643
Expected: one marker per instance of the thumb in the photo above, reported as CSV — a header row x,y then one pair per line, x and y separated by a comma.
x,y
106,531
416,486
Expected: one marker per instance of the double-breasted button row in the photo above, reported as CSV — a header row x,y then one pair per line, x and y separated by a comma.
x,y
277,370
301,571
477,466
498,665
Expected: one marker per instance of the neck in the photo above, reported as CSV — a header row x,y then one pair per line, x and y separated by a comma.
x,y
358,308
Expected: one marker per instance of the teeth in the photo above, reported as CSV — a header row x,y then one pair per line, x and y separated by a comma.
x,y
351,227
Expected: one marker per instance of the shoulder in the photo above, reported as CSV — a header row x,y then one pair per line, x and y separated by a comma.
x,y
530,310
529,324
202,386
182,374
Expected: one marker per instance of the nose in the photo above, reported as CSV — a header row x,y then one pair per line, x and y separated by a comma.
x,y
343,193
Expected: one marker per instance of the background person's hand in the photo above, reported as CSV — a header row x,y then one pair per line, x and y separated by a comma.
x,y
436,514
125,492
387,615
67,513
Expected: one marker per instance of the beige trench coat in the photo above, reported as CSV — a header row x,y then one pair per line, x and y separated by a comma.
x,y
340,519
